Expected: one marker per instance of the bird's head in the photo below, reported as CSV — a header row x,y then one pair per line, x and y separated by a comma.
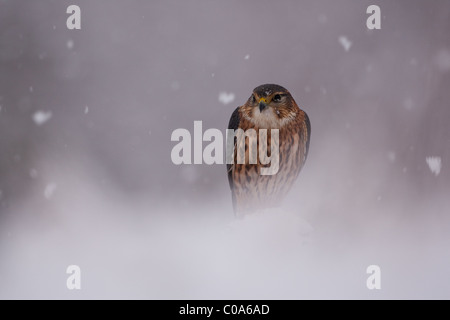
x,y
270,106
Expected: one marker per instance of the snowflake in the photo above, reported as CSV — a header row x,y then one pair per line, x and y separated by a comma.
x,y
226,98
41,117
343,40
50,190
435,164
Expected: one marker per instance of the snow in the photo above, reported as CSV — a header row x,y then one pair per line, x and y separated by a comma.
x,y
31,89
41,117
435,164
50,190
443,60
247,57
33,173
345,42
226,98
86,110
70,44
276,227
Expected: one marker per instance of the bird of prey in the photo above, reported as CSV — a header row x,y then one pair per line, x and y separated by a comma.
x,y
269,107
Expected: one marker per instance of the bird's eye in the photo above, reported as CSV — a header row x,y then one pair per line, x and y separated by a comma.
x,y
276,98
253,98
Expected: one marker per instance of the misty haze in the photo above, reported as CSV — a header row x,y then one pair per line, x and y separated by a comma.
x,y
86,176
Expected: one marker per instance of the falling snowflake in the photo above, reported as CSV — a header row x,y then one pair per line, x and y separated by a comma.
x,y
391,156
435,164
343,40
41,117
33,173
70,44
247,57
226,98
86,110
50,190
443,60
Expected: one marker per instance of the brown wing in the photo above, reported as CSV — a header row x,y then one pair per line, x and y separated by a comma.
x,y
233,124
308,137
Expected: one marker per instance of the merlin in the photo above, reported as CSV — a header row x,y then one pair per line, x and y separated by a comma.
x,y
269,107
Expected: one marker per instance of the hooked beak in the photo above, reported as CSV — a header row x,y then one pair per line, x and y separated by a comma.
x,y
262,104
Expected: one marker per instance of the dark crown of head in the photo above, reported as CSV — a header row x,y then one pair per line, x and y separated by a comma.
x,y
268,89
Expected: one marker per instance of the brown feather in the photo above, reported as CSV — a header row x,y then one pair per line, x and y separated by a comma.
x,y
252,191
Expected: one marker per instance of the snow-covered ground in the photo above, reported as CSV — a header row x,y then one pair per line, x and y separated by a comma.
x,y
131,248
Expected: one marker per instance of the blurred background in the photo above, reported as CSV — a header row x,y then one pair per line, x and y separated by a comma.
x,y
86,176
